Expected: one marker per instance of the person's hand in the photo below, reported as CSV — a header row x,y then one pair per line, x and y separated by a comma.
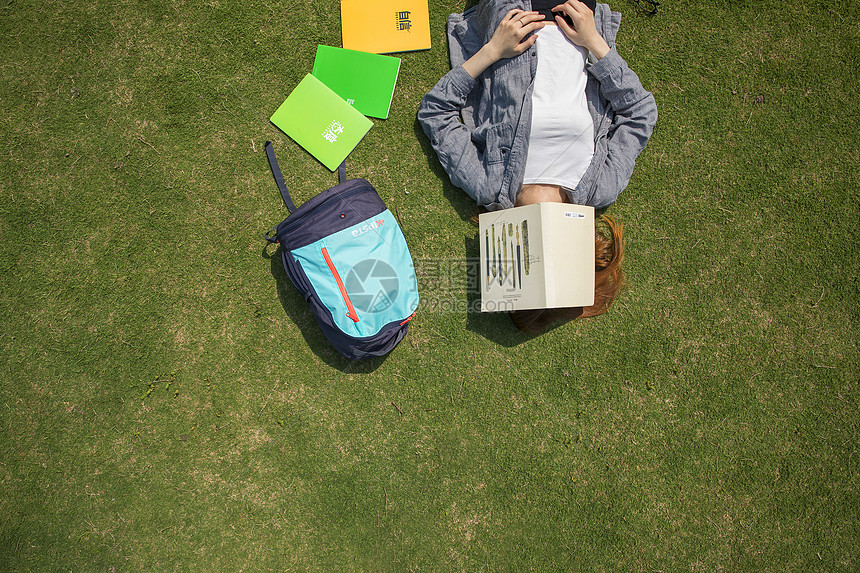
x,y
512,36
583,32
510,39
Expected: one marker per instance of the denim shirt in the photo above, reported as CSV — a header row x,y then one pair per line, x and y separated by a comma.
x,y
485,153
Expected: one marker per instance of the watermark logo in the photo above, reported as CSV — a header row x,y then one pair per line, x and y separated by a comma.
x,y
453,285
373,285
447,285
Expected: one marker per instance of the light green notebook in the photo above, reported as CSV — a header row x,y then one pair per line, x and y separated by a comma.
x,y
321,121
366,81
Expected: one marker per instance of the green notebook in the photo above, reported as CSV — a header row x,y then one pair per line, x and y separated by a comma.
x,y
366,81
321,121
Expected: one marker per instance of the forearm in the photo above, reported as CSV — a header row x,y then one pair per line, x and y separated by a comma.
x,y
440,108
598,46
633,120
439,116
512,37
621,87
580,28
486,57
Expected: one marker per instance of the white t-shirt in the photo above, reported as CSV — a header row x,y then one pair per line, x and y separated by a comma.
x,y
561,142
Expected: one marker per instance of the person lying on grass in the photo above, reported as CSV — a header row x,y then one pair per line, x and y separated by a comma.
x,y
550,112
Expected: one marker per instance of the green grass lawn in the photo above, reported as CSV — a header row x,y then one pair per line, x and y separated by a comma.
x,y
168,402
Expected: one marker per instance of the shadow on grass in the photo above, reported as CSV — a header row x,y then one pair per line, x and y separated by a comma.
x,y
497,327
462,203
298,312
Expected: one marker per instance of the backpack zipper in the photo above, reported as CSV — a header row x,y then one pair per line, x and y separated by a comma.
x,y
350,311
291,224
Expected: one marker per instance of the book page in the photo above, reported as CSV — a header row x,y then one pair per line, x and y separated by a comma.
x,y
568,233
512,261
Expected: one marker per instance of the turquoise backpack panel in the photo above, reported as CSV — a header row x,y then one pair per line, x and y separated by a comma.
x,y
364,275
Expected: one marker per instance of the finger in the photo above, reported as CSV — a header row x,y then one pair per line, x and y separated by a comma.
x,y
525,44
511,14
570,14
565,27
569,7
529,28
531,17
580,7
522,15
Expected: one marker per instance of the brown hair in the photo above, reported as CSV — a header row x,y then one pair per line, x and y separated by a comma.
x,y
608,279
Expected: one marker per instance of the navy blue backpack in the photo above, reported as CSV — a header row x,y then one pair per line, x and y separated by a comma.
x,y
346,254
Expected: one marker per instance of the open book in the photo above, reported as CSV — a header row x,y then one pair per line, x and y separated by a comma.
x,y
537,256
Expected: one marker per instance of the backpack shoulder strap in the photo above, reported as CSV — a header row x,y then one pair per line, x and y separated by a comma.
x,y
279,178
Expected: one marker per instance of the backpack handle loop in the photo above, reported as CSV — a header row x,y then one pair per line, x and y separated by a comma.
x,y
271,234
279,178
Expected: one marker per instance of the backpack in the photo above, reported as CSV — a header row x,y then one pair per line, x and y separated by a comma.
x,y
346,254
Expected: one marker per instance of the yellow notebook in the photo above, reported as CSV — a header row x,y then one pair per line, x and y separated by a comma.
x,y
385,26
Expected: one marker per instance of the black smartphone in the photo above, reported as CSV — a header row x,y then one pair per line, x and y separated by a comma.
x,y
545,7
